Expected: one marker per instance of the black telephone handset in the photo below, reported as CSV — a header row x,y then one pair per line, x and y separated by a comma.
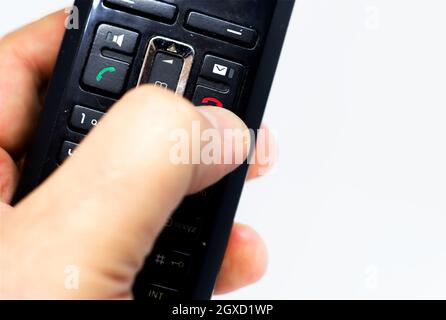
x,y
217,53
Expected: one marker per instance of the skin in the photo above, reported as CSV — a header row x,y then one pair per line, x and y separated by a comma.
x,y
94,212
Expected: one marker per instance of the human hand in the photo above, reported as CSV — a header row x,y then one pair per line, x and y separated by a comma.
x,y
94,212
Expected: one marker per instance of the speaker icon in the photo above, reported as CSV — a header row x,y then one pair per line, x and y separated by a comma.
x,y
119,40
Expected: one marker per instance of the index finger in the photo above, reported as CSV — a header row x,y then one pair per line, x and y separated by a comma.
x,y
27,60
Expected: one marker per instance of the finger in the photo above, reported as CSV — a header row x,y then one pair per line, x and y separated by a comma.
x,y
8,177
245,261
265,155
116,193
26,63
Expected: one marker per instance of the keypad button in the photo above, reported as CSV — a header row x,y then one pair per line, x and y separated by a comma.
x,y
166,71
84,119
183,228
222,29
222,70
106,74
115,38
172,263
66,151
204,96
149,8
160,293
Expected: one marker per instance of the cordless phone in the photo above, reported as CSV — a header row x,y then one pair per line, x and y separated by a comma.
x,y
220,53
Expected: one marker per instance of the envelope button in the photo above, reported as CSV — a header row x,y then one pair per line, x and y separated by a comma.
x,y
222,70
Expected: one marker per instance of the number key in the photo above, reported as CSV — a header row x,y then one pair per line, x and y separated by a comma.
x,y
84,119
67,151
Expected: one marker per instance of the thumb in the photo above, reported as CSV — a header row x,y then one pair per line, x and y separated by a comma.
x,y
102,211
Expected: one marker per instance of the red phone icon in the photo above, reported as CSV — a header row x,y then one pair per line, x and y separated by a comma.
x,y
213,100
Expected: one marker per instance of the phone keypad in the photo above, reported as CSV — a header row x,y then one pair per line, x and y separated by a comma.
x,y
168,63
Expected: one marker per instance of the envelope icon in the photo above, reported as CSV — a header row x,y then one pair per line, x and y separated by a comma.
x,y
220,70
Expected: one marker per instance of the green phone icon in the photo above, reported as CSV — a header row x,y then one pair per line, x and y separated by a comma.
x,y
104,71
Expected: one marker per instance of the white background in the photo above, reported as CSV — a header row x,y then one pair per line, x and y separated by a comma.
x,y
356,206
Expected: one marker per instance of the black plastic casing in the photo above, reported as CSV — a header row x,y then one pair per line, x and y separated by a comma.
x,y
269,18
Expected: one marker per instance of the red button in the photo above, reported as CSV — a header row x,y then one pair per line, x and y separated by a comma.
x,y
209,97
